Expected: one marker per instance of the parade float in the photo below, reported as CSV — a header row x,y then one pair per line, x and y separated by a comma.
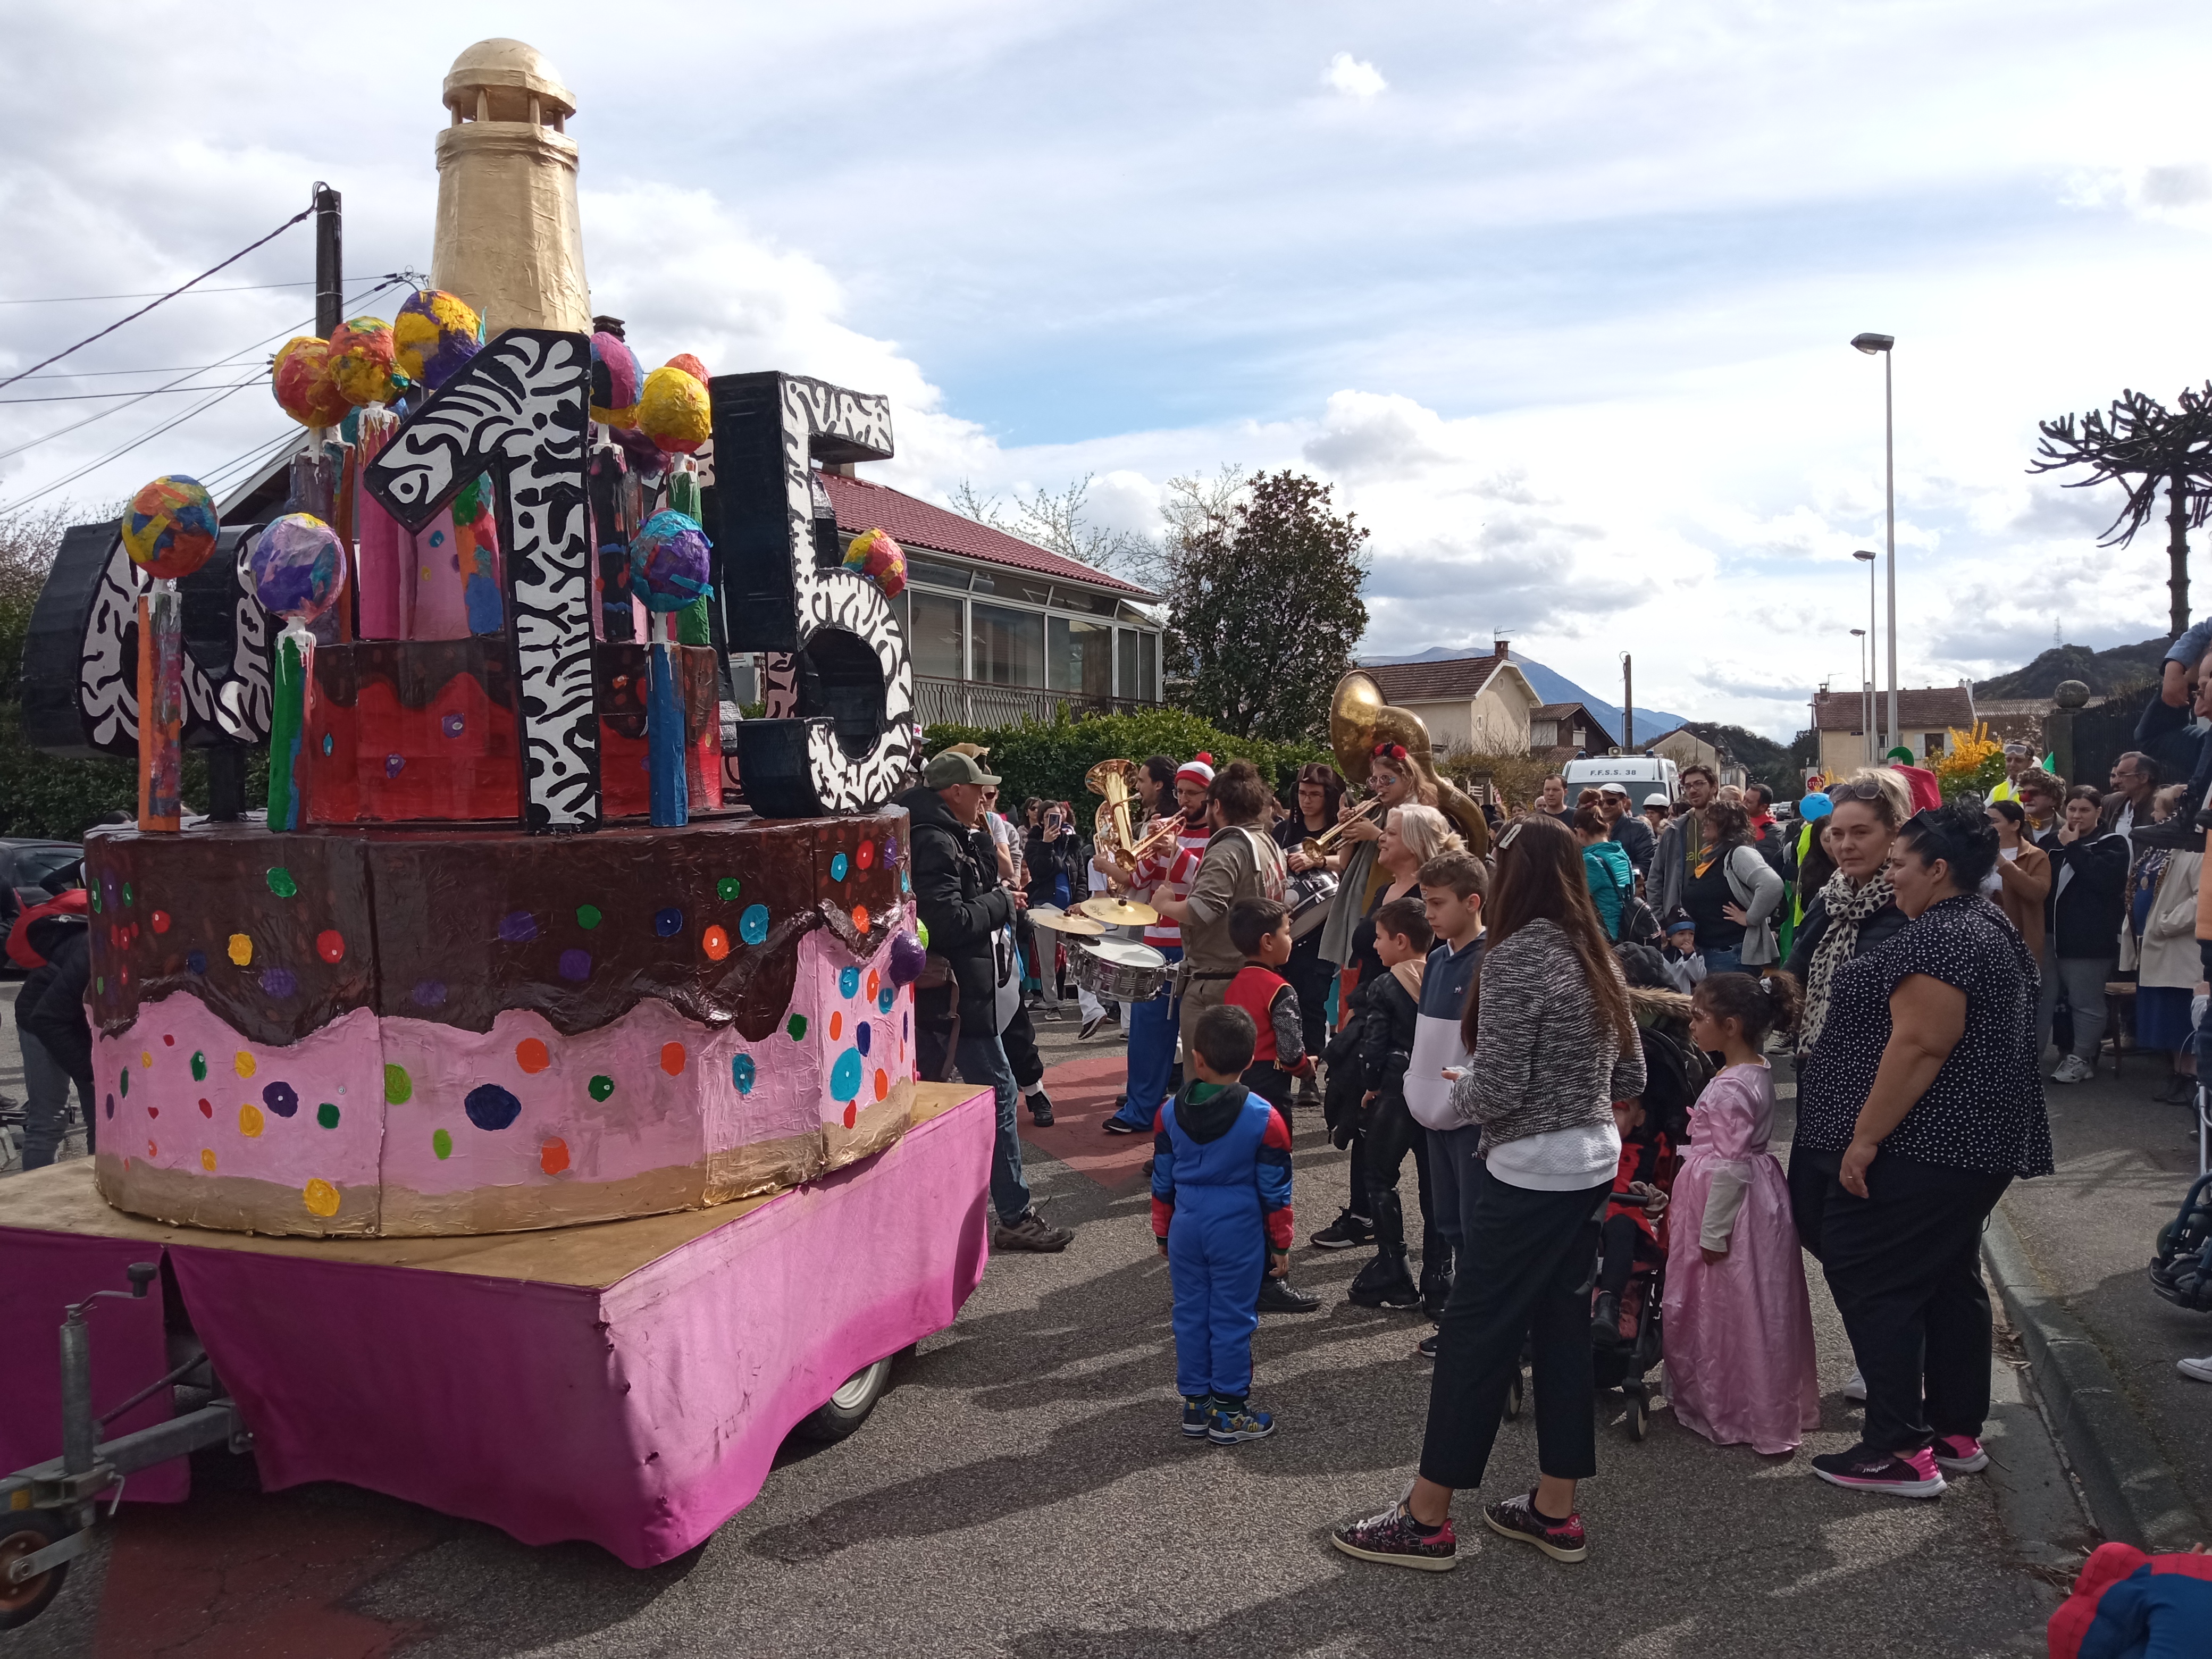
x,y
535,932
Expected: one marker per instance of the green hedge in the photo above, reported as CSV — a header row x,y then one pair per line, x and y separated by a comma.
x,y
62,799
1048,758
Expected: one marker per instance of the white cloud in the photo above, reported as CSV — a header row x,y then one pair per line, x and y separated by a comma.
x,y
1353,77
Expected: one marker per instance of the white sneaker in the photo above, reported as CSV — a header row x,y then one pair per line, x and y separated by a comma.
x,y
2073,1069
2199,1369
1854,1385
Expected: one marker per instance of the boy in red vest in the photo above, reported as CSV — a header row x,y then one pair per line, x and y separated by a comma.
x,y
1260,929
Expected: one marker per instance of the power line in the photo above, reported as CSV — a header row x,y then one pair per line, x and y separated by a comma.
x,y
47,363
197,408
92,397
59,432
150,293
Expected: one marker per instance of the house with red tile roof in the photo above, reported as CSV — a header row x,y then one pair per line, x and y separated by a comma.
x,y
999,627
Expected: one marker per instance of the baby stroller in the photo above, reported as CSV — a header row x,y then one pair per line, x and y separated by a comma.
x,y
1628,1363
2181,1272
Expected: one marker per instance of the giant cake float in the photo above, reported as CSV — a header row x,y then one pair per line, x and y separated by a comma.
x,y
508,953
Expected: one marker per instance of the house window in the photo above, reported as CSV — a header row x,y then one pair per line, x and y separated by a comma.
x,y
1009,646
1080,656
1148,668
1931,743
934,637
1126,652
935,575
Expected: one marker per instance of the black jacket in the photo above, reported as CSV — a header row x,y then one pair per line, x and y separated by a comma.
x,y
2084,919
1388,1014
56,995
1635,838
962,901
1062,856
1883,925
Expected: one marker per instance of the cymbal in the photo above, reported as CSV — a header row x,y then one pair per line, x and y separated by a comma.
x,y
1055,919
1118,913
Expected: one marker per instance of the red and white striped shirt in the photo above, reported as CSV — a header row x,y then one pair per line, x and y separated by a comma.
x,y
1169,872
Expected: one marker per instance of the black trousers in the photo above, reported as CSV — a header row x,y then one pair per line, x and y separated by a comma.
x,y
1525,1266
1390,1133
1904,1266
1019,1039
1310,974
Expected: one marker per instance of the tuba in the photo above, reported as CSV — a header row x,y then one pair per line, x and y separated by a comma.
x,y
1110,778
1358,720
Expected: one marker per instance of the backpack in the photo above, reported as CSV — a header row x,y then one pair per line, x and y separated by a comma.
x,y
1347,1082
1674,1075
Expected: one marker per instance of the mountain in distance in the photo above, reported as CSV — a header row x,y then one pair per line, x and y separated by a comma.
x,y
2103,671
1650,723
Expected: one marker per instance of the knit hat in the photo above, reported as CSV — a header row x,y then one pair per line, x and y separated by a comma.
x,y
1198,771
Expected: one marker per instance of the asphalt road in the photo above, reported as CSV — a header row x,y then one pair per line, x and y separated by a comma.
x,y
1023,1490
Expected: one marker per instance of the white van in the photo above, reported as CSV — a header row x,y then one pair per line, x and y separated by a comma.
x,y
1643,774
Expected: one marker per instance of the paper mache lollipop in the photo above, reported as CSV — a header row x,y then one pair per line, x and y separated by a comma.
x,y
434,336
301,378
668,569
672,410
874,554
169,533
615,381
362,362
297,570
690,365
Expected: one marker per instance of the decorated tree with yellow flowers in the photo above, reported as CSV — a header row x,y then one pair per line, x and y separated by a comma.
x,y
1971,763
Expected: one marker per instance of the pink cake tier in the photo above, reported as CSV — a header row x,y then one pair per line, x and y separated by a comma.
x,y
393,1032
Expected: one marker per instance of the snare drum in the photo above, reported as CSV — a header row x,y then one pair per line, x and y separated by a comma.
x,y
1119,970
1310,896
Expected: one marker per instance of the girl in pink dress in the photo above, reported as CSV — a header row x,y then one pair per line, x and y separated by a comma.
x,y
1739,1327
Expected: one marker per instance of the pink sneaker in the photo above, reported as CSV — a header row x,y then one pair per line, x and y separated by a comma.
x,y
1865,1468
1959,1454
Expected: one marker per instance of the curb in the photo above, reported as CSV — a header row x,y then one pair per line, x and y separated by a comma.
x,y
2132,1494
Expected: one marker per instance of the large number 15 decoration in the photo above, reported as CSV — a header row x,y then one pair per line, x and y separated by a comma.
x,y
852,741
521,408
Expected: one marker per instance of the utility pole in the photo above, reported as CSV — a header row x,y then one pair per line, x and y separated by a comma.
x,y
1628,702
2177,550
329,260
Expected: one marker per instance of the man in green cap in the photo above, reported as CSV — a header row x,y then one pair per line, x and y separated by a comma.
x,y
966,909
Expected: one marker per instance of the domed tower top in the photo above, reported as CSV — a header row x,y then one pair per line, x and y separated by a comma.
x,y
501,79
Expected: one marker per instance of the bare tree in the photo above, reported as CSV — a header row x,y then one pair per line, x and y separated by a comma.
x,y
1055,521
2143,446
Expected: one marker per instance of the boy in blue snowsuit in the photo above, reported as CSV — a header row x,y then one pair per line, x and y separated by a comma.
x,y
1221,1169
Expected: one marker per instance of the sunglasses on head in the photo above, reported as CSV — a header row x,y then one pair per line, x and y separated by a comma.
x,y
1868,790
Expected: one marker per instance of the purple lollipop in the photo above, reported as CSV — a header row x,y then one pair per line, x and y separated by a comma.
x,y
297,567
908,954
668,563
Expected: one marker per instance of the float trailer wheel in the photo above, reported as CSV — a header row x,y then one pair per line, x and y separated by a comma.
x,y
25,1532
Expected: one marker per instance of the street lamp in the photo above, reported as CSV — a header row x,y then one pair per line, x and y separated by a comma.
x,y
1867,680
1871,344
1866,693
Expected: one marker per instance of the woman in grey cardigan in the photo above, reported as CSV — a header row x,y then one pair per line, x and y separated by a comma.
x,y
1554,1045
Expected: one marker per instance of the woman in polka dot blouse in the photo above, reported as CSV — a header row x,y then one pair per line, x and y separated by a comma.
x,y
1923,1093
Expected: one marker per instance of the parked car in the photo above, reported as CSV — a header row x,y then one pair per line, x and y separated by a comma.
x,y
33,871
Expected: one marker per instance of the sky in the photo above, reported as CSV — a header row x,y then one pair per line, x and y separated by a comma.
x,y
1556,297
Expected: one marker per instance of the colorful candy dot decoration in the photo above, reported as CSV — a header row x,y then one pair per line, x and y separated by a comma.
x,y
244,1064
361,366
207,1160
327,1115
250,1121
441,1143
280,1098
874,554
490,1107
329,944
863,1036
399,1087
171,527
752,926
839,866
301,378
297,567
434,336
728,889
532,1055
279,982
615,381
320,1198
669,561
600,1087
742,1071
280,882
161,921
715,943
518,927
668,923
553,1156
671,1059
845,1076
588,916
672,410
575,965
795,1028
199,1066
848,982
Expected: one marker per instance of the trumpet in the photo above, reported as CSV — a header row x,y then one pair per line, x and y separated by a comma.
x,y
1318,848
1163,835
